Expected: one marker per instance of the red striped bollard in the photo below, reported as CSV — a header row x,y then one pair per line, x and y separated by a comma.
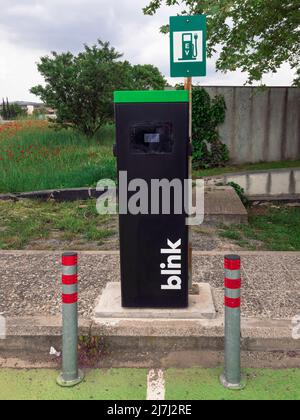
x,y
232,378
70,375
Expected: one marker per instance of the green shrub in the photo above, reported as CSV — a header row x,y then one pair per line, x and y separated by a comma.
x,y
208,114
240,192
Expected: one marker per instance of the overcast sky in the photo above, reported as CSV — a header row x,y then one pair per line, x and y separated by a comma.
x,y
32,28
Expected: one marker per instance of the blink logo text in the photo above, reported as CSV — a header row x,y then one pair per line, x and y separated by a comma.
x,y
172,268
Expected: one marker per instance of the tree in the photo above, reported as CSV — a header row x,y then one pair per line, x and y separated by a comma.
x,y
8,110
81,87
11,111
3,112
146,77
16,111
256,36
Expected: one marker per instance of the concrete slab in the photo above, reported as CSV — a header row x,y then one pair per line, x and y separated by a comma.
x,y
201,306
223,206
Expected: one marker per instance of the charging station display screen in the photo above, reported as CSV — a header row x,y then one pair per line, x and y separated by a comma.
x,y
151,138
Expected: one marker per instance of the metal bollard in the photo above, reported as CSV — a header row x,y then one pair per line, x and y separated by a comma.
x,y
232,377
70,375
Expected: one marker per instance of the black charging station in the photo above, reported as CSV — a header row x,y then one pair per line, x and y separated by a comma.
x,y
152,142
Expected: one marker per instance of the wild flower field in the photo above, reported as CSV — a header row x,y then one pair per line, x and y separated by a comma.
x,y
34,156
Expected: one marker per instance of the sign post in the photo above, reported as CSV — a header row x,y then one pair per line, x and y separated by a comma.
x,y
188,59
188,85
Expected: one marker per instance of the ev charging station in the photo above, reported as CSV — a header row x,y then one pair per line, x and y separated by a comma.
x,y
152,143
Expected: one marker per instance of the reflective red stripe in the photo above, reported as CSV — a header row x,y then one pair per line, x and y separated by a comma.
x,y
69,280
68,299
232,264
232,303
233,284
69,260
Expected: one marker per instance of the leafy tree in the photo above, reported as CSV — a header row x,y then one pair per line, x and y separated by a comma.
x,y
256,36
80,87
146,77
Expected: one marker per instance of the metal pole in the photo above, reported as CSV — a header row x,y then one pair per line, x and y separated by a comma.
x,y
70,375
188,85
232,378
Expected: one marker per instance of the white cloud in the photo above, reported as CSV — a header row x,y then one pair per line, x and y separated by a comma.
x,y
32,28
26,10
18,71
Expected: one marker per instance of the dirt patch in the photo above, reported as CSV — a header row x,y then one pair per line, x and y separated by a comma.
x,y
206,238
259,210
262,209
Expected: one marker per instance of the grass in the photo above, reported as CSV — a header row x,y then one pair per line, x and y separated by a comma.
x,y
131,384
27,220
35,157
247,167
272,228
49,225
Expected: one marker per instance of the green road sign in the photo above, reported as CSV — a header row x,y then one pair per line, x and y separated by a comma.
x,y
188,45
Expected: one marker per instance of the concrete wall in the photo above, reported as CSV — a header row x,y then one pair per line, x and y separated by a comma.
x,y
274,183
261,125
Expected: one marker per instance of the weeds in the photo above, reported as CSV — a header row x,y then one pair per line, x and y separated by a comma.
x,y
34,157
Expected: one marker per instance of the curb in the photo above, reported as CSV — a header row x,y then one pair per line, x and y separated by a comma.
x,y
285,198
159,340
83,194
72,194
251,172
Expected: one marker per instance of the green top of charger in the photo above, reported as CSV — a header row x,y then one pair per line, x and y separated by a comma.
x,y
151,96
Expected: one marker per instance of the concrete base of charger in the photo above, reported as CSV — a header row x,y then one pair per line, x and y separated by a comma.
x,y
201,306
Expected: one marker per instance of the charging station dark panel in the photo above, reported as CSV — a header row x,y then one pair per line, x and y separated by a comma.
x,y
152,143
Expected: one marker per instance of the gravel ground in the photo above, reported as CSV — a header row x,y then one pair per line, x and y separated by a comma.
x,y
30,282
